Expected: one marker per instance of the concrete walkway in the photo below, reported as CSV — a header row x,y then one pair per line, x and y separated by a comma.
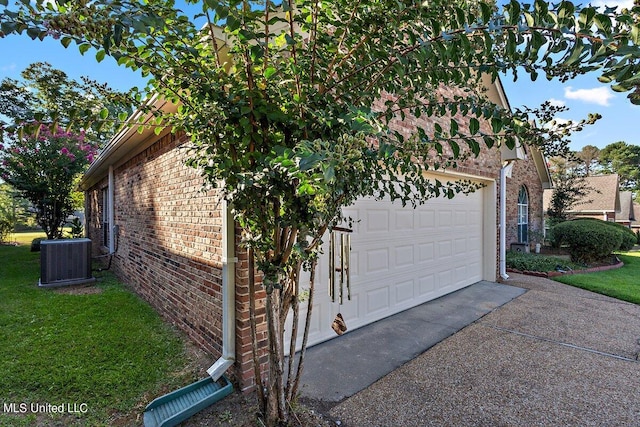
x,y
555,355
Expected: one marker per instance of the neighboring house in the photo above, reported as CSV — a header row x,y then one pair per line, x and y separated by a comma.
x,y
627,212
177,246
635,223
602,200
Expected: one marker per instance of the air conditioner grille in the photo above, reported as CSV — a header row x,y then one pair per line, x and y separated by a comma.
x,y
65,262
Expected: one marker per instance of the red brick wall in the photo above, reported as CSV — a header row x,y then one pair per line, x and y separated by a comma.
x,y
524,173
486,164
169,242
244,347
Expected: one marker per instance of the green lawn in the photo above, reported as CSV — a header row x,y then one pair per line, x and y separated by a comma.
x,y
622,283
101,356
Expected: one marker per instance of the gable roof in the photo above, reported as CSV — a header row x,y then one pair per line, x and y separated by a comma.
x,y
603,195
542,168
627,213
635,223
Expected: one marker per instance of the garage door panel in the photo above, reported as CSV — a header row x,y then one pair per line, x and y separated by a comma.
x,y
404,255
426,252
461,245
405,291
427,220
445,279
426,285
377,260
445,218
404,221
377,221
460,219
378,300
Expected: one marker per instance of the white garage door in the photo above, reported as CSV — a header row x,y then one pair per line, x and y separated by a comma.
x,y
402,257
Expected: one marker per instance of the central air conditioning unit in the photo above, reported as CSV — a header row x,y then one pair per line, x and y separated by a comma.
x,y
65,262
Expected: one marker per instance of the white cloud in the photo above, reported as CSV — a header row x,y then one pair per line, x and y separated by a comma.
x,y
556,102
600,95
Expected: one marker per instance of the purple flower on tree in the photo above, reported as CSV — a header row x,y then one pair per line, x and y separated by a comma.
x,y
63,155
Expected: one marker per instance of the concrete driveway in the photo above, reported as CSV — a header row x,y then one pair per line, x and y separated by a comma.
x,y
553,356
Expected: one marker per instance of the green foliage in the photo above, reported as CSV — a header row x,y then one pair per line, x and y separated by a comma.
x,y
638,237
535,262
589,157
6,227
623,159
42,167
588,240
569,188
47,95
13,208
627,235
77,229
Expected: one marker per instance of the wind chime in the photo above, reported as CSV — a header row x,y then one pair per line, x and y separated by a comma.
x,y
339,247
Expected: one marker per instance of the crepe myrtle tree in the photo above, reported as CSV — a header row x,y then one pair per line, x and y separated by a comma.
x,y
42,168
288,105
44,94
41,161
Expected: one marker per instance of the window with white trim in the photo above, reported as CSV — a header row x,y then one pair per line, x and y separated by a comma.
x,y
523,215
105,217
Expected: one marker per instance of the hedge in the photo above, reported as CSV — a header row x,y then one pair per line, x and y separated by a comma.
x,y
629,238
588,240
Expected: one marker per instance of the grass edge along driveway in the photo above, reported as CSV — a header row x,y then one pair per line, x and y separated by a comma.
x,y
621,283
98,357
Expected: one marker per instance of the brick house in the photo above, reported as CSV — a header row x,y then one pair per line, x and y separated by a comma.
x,y
177,247
635,223
601,201
627,213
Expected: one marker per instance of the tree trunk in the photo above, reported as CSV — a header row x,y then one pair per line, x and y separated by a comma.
x,y
277,413
296,380
254,334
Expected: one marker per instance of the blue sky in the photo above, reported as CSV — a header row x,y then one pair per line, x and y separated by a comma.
x,y
582,95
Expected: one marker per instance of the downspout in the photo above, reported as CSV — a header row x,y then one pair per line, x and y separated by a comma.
x,y
229,260
110,212
504,171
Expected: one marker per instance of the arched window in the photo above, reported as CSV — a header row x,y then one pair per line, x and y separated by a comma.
x,y
523,215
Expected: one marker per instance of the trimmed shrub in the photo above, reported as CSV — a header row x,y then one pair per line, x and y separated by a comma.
x,y
35,244
588,240
534,262
629,238
638,237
